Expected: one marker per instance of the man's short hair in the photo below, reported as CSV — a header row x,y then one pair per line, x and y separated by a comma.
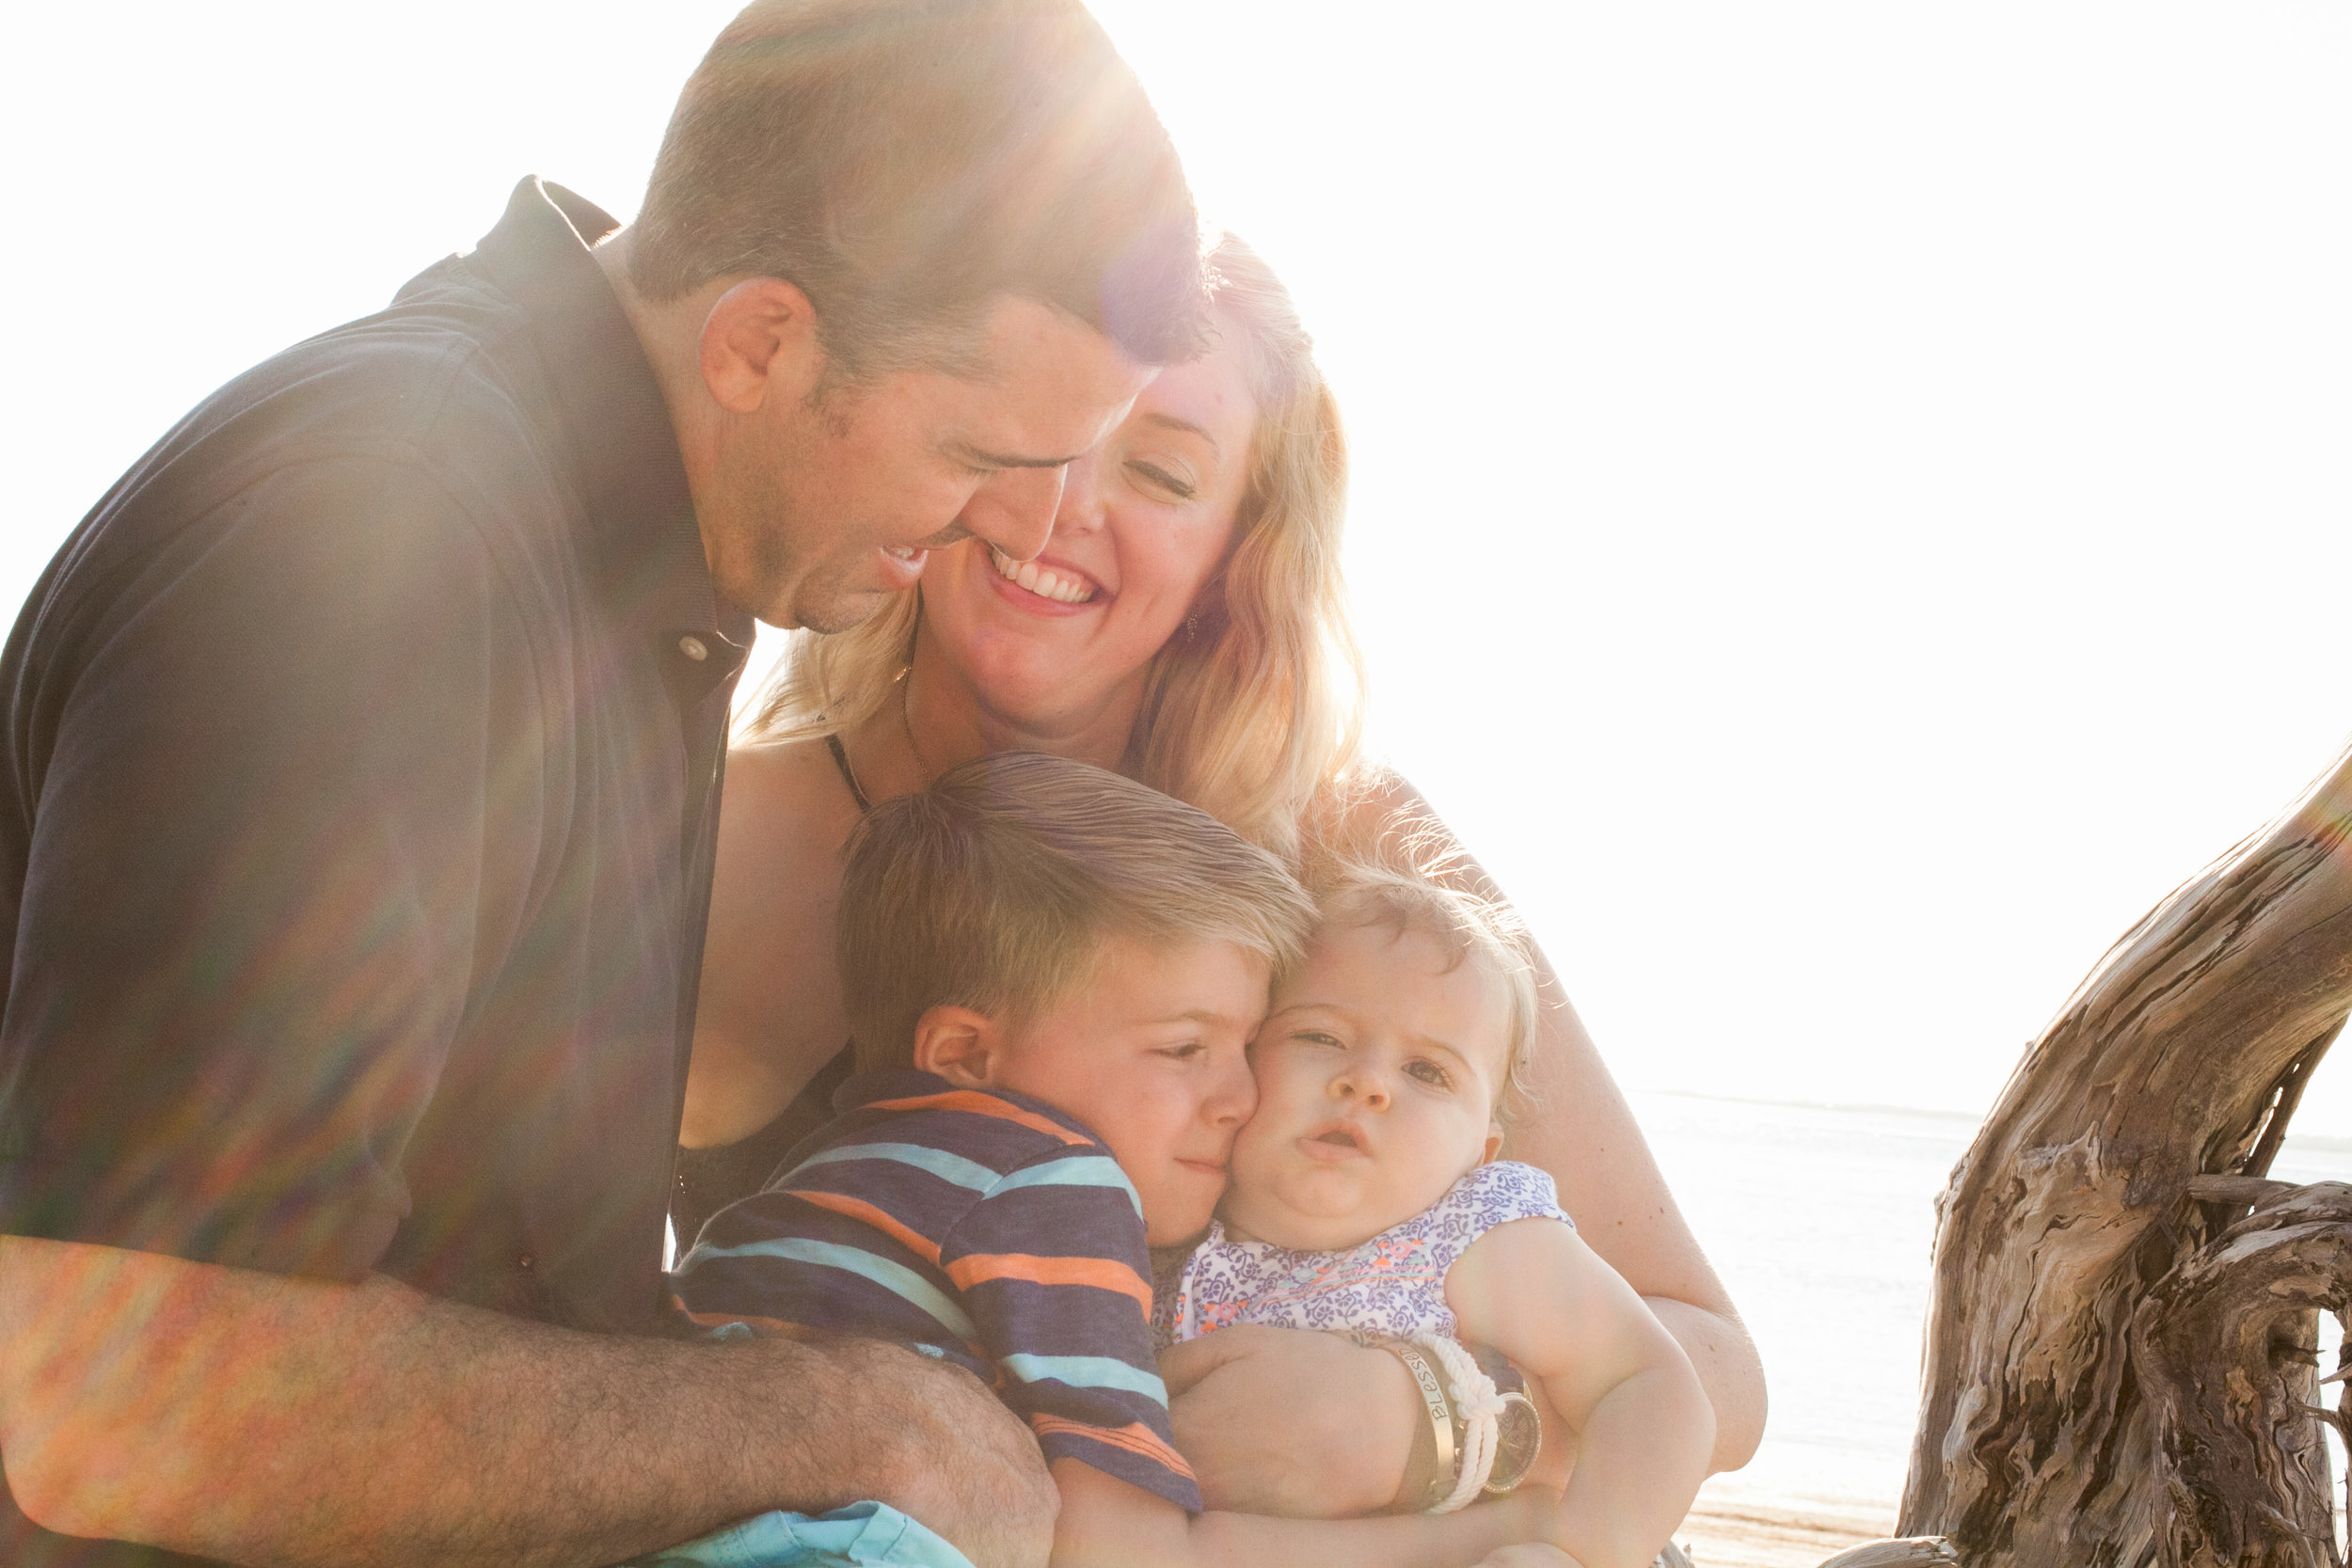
x,y
996,888
905,162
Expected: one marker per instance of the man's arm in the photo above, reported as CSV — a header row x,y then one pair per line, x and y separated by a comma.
x,y
272,1420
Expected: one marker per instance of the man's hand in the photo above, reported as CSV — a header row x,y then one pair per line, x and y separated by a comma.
x,y
963,1464
1292,1422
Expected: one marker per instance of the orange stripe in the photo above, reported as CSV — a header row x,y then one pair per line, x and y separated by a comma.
x,y
1104,1274
981,1105
865,1213
720,1319
1134,1438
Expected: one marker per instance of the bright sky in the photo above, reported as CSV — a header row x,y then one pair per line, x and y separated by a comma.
x,y
1849,495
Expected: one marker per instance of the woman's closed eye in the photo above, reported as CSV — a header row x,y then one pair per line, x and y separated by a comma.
x,y
1160,481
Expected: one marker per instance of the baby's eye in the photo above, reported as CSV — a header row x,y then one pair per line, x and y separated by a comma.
x,y
1315,1037
1430,1073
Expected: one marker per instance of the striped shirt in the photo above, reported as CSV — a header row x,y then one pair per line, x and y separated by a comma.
x,y
981,1226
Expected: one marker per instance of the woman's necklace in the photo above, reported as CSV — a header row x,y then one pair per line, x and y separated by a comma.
x,y
906,723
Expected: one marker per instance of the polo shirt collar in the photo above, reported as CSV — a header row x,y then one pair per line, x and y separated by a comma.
x,y
623,447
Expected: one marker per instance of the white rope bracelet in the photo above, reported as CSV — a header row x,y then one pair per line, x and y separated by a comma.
x,y
1478,1409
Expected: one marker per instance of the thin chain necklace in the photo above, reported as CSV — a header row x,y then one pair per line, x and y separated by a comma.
x,y
906,723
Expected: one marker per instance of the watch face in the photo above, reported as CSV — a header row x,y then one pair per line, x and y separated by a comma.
x,y
1518,1437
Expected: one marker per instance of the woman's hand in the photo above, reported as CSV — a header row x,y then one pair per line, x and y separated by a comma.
x,y
1293,1422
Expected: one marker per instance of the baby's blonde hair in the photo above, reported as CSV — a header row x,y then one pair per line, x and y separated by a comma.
x,y
1488,935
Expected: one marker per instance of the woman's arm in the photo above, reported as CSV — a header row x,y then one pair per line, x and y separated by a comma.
x,y
1106,1523
1581,1130
1643,1430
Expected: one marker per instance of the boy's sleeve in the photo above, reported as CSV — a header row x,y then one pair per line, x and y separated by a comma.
x,y
1054,1270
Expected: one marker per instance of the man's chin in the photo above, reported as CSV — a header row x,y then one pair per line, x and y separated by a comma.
x,y
827,607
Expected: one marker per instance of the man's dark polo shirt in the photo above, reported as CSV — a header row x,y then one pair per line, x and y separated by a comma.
x,y
361,779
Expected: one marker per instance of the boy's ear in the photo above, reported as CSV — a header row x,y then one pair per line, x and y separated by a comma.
x,y
964,1047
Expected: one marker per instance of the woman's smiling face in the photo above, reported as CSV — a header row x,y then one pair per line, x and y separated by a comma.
x,y
1145,520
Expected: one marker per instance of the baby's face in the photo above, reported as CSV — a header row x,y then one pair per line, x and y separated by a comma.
x,y
1377,1073
1152,1053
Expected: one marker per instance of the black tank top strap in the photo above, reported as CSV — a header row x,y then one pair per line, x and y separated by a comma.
x,y
841,760
710,1179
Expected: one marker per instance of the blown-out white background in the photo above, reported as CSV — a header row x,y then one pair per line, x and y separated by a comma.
x,y
1851,495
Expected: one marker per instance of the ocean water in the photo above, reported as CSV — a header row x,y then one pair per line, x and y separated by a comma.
x,y
1819,1220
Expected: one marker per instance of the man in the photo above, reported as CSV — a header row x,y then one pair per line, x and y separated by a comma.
x,y
362,759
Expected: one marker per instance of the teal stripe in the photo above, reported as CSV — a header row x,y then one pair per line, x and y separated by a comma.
x,y
1087,1371
948,1167
895,1278
1075,1170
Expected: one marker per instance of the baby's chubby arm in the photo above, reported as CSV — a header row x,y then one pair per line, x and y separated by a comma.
x,y
1106,1523
1533,1290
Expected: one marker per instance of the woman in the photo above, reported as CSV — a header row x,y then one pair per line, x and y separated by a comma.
x,y
1185,623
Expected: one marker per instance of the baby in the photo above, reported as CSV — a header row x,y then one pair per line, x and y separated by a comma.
x,y
1366,1198
1053,974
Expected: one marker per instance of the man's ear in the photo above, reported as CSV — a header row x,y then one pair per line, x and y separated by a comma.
x,y
964,1047
759,342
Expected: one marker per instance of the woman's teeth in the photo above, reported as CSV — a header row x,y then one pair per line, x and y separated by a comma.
x,y
1042,581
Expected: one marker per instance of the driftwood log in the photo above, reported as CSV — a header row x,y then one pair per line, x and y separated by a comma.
x,y
2112,1340
2228,1368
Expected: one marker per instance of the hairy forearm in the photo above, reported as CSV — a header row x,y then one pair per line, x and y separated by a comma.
x,y
272,1420
1640,1458
1729,1371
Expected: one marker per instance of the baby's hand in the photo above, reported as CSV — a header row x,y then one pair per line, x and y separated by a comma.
x,y
1532,1554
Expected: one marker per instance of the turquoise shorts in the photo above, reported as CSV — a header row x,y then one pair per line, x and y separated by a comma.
x,y
863,1535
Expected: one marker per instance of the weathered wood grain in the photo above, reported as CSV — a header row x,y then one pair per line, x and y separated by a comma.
x,y
2182,1055
2228,1363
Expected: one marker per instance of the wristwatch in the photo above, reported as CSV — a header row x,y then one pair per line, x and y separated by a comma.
x,y
1519,1428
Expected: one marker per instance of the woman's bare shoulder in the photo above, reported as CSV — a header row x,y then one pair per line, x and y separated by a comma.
x,y
786,789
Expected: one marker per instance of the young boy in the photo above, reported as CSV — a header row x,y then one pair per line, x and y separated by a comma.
x,y
1053,974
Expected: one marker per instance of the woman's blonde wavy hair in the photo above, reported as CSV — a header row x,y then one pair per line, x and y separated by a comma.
x,y
1256,703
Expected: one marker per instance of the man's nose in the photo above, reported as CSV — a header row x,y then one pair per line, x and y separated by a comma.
x,y
1013,510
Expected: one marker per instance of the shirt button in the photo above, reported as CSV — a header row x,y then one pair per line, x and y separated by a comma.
x,y
526,1263
693,648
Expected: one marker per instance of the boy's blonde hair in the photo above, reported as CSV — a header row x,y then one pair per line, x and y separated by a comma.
x,y
995,889
1362,894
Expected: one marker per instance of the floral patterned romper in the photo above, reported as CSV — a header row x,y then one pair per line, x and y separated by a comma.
x,y
1392,1284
